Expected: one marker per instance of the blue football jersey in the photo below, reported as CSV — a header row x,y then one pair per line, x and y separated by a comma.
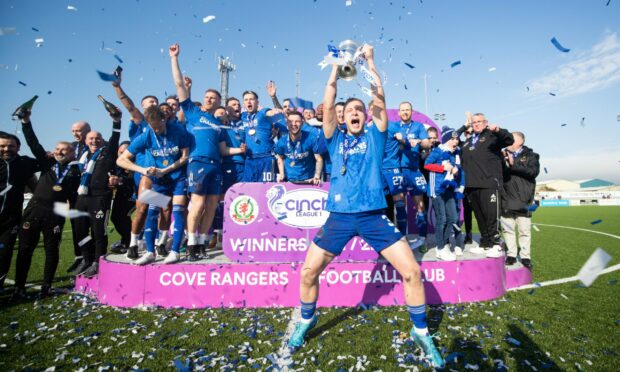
x,y
205,130
299,160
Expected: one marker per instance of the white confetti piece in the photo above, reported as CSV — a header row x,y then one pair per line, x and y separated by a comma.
x,y
535,227
39,41
208,19
7,31
71,7
348,2
492,69
62,209
154,198
593,267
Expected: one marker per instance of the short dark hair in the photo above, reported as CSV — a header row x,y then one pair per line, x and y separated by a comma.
x,y
124,143
340,103
174,97
150,96
9,136
229,99
214,91
432,129
296,113
250,92
353,99
164,104
152,114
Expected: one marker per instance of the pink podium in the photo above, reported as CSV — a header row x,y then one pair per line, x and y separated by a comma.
x,y
267,230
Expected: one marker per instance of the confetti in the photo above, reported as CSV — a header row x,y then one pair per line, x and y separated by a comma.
x,y
348,2
559,46
563,125
35,29
62,209
107,77
596,222
71,7
535,227
455,63
39,41
7,31
409,65
492,69
546,170
22,83
583,121
208,19
593,267
552,94
118,58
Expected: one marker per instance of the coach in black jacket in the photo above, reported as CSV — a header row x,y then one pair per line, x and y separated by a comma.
x,y
482,163
59,180
95,195
521,167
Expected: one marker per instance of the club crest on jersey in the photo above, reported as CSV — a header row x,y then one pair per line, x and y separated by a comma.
x,y
493,199
57,229
99,214
26,225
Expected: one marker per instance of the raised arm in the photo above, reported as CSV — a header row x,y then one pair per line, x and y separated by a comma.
x,y
116,134
271,90
177,76
134,112
330,122
33,142
379,112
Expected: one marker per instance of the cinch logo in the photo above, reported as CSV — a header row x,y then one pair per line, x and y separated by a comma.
x,y
243,210
303,208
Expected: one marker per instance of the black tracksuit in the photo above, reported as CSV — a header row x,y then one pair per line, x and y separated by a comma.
x,y
15,172
520,184
124,204
97,202
482,163
39,215
79,149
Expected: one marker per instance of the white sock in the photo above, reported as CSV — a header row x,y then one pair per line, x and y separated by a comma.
x,y
134,239
192,239
163,237
421,331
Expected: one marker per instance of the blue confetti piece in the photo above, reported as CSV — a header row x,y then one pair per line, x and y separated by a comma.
x,y
406,87
552,94
453,356
118,42
181,367
563,125
533,207
546,170
559,46
22,83
513,341
107,77
35,29
333,50
118,58
596,222
455,63
409,65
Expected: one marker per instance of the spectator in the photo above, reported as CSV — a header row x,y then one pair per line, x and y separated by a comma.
x,y
521,167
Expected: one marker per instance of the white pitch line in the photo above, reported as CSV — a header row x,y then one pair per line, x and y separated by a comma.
x,y
572,278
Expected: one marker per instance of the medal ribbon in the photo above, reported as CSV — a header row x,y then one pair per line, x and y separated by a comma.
x,y
293,147
60,177
162,148
347,146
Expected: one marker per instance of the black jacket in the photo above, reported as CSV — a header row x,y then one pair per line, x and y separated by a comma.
x,y
16,172
44,195
104,165
482,162
520,182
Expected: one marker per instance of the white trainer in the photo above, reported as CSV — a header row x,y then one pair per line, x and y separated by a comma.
x,y
444,254
146,258
495,252
477,250
458,251
172,257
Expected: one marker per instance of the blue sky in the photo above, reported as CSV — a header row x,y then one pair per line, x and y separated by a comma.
x,y
270,40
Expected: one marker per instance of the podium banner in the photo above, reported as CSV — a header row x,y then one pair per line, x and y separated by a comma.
x,y
276,222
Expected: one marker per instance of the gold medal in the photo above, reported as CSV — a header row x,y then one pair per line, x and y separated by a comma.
x,y
252,132
57,188
292,164
165,162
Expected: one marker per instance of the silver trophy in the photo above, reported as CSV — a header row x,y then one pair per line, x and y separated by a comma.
x,y
349,52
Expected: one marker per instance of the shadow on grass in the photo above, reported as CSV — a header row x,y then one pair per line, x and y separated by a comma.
x,y
527,355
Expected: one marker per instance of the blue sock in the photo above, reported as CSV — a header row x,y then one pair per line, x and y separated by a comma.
x,y
178,211
150,228
417,314
307,310
420,222
218,219
401,216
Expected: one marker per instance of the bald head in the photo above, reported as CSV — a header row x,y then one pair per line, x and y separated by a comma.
x,y
94,140
79,130
519,141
